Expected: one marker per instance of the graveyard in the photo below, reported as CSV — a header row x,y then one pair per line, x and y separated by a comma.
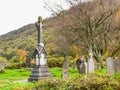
x,y
16,79
74,49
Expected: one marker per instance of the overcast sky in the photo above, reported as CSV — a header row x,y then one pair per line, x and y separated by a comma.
x,y
17,13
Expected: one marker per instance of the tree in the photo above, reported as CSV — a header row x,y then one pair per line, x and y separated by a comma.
x,y
88,25
22,55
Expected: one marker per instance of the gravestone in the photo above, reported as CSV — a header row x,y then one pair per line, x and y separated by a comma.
x,y
78,62
83,66
28,61
90,64
110,66
40,70
117,64
65,67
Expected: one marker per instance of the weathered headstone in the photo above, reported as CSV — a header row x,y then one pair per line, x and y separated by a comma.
x,y
28,61
110,66
117,64
78,62
83,66
65,67
90,64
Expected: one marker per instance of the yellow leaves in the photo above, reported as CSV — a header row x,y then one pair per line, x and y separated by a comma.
x,y
21,54
118,54
3,59
74,51
8,53
107,54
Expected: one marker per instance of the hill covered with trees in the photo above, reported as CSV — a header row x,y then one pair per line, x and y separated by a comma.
x,y
89,25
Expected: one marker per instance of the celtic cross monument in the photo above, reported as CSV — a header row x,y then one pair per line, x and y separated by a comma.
x,y
40,71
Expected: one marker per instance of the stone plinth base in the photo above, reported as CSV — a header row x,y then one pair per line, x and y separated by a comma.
x,y
38,73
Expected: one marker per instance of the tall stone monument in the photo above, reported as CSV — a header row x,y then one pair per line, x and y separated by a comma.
x,y
40,71
90,64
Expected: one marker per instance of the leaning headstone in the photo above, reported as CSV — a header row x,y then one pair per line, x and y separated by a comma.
x,y
65,67
78,62
28,61
117,64
110,66
83,66
90,64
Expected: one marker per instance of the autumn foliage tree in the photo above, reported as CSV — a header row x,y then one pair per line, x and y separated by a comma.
x,y
21,55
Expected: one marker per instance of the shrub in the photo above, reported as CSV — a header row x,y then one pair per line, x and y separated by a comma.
x,y
81,82
55,61
21,86
15,65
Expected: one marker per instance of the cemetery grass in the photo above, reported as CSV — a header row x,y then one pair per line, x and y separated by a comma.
x,y
11,79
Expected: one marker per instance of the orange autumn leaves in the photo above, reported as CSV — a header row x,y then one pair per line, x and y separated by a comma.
x,y
21,54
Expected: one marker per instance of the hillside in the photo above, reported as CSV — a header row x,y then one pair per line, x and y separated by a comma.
x,y
63,38
21,31
18,37
15,44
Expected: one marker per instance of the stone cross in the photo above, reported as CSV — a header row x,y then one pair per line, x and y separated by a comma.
x,y
65,67
83,66
90,63
40,50
40,71
39,25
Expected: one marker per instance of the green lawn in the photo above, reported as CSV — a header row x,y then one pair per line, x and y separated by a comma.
x,y
9,77
14,74
21,74
56,72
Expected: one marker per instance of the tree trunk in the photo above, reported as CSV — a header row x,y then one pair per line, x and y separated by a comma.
x,y
99,65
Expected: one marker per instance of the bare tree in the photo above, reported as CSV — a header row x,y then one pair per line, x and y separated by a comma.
x,y
89,25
